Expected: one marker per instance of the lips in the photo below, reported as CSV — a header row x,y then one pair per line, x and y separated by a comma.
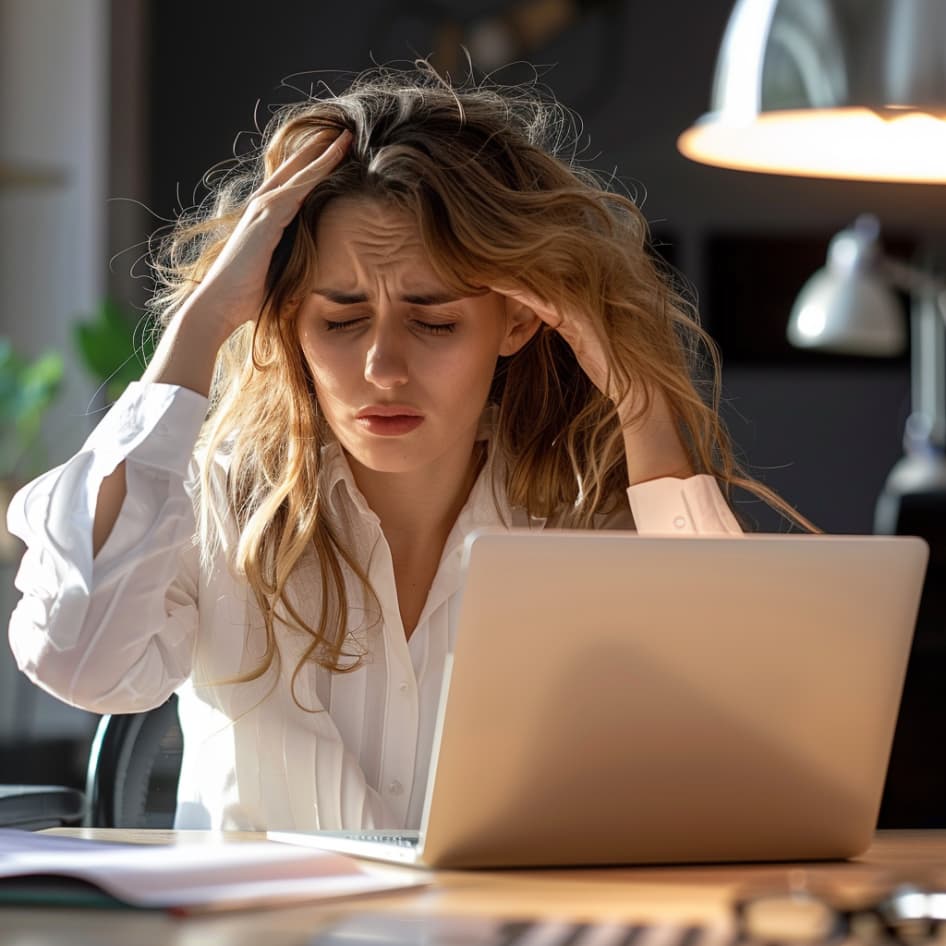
x,y
388,410
389,420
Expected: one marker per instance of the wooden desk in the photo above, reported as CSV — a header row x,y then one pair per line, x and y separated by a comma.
x,y
641,894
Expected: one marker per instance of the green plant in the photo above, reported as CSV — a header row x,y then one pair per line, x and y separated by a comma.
x,y
27,389
108,348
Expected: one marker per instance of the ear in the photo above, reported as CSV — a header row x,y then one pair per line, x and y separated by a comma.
x,y
521,324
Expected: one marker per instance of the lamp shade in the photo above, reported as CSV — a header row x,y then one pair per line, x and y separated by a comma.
x,y
829,88
846,307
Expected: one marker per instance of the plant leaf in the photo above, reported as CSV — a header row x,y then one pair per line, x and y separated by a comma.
x,y
107,346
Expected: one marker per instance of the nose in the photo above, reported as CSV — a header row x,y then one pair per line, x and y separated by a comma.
x,y
385,364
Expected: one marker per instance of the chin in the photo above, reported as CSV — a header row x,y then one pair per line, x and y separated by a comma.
x,y
393,458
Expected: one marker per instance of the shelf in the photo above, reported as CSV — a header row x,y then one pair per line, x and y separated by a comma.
x,y
29,177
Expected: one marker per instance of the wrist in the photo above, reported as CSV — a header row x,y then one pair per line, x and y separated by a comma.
x,y
649,460
653,447
198,320
187,353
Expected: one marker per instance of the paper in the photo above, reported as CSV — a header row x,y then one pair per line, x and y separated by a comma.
x,y
196,877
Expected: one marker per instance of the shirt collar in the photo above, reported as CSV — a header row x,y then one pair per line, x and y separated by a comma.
x,y
336,473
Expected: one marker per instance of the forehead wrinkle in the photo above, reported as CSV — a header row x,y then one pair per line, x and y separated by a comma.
x,y
370,227
380,273
380,255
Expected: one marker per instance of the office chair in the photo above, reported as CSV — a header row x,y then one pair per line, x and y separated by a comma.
x,y
134,767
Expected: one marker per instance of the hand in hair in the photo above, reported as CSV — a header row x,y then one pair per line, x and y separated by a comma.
x,y
580,334
237,277
651,439
232,291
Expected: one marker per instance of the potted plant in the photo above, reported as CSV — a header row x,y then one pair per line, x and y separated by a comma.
x,y
113,349
27,389
107,347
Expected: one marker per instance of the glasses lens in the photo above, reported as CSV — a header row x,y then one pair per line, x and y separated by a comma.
x,y
788,918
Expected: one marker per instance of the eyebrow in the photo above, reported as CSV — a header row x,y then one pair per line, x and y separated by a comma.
x,y
354,298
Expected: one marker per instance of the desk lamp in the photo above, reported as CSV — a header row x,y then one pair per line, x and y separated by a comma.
x,y
850,89
856,90
849,307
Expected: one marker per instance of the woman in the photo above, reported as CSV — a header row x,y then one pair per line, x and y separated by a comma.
x,y
409,319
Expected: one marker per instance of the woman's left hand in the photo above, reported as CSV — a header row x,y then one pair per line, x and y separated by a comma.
x,y
651,441
580,334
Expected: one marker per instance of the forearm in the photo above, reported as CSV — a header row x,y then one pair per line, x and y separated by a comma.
x,y
107,507
188,349
665,494
185,356
653,447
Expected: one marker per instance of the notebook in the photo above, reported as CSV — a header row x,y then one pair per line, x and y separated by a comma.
x,y
623,699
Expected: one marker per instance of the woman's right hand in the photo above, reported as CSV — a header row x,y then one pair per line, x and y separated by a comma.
x,y
234,287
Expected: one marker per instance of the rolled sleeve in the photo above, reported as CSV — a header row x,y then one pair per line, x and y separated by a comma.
x,y
672,506
153,424
112,634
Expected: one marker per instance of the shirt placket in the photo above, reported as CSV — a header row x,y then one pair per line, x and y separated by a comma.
x,y
402,709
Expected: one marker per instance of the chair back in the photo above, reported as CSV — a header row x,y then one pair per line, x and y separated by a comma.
x,y
134,767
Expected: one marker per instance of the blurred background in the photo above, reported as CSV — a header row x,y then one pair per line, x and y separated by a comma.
x,y
111,113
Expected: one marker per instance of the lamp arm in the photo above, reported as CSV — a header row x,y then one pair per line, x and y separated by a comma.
x,y
926,426
914,280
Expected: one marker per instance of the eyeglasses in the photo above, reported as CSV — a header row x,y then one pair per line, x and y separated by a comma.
x,y
907,915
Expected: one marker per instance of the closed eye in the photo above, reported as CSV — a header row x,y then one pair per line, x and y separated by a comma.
x,y
343,325
431,328
435,328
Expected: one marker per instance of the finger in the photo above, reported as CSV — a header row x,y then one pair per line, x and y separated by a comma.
x,y
521,295
547,313
324,143
313,172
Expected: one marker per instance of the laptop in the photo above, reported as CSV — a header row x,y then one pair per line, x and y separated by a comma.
x,y
623,699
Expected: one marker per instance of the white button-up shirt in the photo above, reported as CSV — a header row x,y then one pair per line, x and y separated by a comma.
x,y
121,632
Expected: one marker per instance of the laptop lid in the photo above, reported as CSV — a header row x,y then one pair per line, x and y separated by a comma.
x,y
617,698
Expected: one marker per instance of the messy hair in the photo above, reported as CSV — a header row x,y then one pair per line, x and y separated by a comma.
x,y
491,177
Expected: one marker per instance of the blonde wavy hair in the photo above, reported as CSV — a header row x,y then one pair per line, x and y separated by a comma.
x,y
490,175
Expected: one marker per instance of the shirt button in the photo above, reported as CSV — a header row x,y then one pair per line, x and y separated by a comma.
x,y
395,788
404,686
679,522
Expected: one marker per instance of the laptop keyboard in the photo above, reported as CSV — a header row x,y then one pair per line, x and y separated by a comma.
x,y
385,837
393,930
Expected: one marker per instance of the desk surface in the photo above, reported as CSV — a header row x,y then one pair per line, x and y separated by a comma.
x,y
687,894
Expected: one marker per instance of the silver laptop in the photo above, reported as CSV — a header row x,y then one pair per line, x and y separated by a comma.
x,y
621,699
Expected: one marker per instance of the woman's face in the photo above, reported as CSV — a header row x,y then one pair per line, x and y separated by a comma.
x,y
402,366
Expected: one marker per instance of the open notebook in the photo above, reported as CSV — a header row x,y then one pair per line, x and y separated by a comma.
x,y
616,698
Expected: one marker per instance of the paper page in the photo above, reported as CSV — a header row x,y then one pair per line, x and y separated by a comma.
x,y
215,875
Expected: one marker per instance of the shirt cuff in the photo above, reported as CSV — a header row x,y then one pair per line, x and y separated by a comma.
x,y
691,506
154,424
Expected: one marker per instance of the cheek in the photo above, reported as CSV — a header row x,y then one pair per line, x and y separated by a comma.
x,y
326,362
476,357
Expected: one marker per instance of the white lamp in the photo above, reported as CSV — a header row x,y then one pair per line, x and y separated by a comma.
x,y
856,89
847,307
829,88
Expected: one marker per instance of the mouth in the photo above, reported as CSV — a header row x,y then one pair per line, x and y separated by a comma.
x,y
389,420
388,410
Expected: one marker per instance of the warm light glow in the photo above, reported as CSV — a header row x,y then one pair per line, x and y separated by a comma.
x,y
852,143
